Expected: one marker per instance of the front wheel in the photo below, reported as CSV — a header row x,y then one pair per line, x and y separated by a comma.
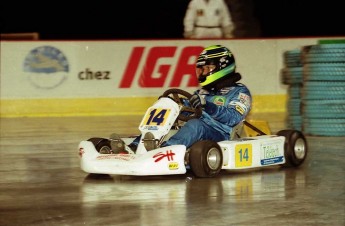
x,y
295,147
206,158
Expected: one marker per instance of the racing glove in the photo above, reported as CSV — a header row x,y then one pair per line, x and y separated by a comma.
x,y
197,101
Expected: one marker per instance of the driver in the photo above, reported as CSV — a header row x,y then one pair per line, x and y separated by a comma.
x,y
224,101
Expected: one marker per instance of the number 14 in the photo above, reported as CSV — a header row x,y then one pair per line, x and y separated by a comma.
x,y
243,155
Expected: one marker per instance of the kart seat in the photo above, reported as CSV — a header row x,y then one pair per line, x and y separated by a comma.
x,y
247,129
237,131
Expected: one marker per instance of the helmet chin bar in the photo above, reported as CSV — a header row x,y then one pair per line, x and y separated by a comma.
x,y
202,78
226,81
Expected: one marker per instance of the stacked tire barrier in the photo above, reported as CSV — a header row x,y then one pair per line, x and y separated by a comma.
x,y
292,75
323,92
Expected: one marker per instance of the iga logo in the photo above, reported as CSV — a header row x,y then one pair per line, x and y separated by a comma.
x,y
47,67
154,74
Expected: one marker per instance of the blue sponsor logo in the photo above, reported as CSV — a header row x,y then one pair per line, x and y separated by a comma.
x,y
47,67
272,161
151,127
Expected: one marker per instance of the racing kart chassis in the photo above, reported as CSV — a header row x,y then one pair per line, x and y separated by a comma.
x,y
204,158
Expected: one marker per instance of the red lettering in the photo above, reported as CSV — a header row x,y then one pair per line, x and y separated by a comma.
x,y
186,67
154,75
81,152
146,77
169,155
132,67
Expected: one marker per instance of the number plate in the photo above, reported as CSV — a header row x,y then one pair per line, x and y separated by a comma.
x,y
156,117
243,155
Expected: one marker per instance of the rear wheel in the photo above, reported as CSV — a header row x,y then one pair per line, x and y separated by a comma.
x,y
295,147
206,158
102,145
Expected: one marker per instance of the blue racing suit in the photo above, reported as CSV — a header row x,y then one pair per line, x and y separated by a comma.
x,y
224,109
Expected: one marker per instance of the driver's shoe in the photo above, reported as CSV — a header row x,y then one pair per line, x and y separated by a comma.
x,y
150,142
117,144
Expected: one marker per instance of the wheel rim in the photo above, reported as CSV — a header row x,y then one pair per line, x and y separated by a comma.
x,y
105,150
213,158
299,148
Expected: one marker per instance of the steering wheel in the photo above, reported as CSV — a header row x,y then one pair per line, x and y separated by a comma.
x,y
186,112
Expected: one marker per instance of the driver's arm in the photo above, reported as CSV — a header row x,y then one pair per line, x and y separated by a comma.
x,y
235,111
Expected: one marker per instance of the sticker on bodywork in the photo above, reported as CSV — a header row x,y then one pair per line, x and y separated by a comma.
x,y
243,155
124,157
169,155
173,166
219,100
156,117
269,153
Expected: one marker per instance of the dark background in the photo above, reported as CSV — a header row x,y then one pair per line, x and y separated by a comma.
x,y
163,19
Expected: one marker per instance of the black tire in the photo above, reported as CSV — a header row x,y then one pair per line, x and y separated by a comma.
x,y
206,158
102,145
295,147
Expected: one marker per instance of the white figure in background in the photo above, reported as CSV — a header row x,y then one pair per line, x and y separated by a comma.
x,y
208,19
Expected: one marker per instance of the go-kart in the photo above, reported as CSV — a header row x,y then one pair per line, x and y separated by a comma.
x,y
205,158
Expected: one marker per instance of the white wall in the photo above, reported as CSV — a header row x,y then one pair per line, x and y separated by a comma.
x,y
34,74
259,61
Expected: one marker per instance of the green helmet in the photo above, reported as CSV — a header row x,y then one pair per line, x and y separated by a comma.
x,y
214,64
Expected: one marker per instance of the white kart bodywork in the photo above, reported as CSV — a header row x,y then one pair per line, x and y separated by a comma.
x,y
253,152
161,161
160,120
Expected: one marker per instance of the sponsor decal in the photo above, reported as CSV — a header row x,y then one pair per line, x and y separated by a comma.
x,y
169,154
244,98
226,90
269,153
243,155
150,127
81,152
219,100
125,157
154,72
271,160
156,117
239,109
173,166
46,66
